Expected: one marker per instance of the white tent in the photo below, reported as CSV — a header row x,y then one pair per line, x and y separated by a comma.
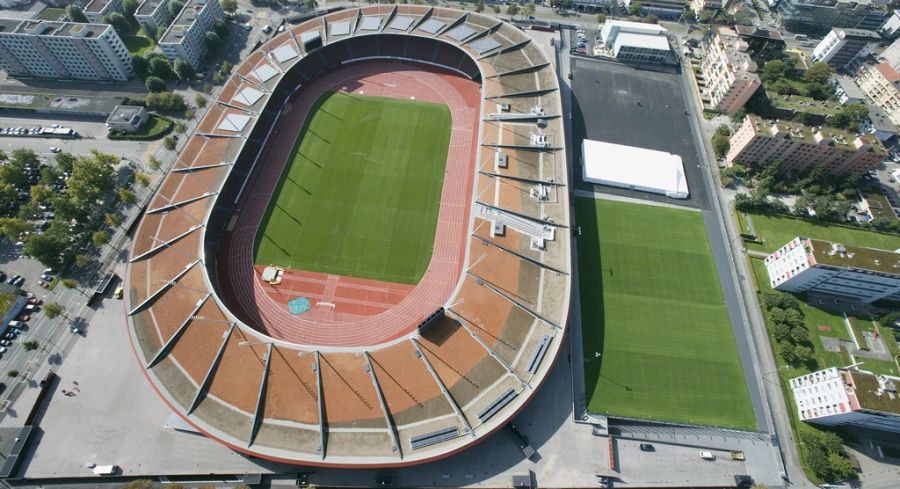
x,y
634,168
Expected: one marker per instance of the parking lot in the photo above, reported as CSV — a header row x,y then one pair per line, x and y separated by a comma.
x,y
649,112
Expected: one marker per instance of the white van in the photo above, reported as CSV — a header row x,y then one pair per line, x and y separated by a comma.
x,y
707,455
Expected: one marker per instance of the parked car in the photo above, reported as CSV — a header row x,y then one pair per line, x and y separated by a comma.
x,y
54,149
35,301
47,277
5,343
24,317
12,280
646,447
19,281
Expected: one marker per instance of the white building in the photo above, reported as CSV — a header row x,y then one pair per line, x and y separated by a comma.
x,y
95,10
63,50
853,272
842,47
637,42
729,71
153,15
833,397
128,118
186,38
891,55
847,91
881,83
633,168
891,28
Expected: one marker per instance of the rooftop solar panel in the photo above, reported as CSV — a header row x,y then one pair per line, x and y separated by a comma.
x,y
431,26
371,23
285,52
340,28
401,23
460,33
485,44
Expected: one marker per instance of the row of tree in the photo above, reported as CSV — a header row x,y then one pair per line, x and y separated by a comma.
x,y
789,329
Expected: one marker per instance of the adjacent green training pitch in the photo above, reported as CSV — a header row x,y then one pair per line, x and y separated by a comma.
x,y
651,305
361,194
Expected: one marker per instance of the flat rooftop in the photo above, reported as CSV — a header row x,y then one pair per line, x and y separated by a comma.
x,y
96,5
148,7
646,41
53,28
183,22
751,31
808,134
124,113
858,257
871,394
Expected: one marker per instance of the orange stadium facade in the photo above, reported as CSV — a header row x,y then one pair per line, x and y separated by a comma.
x,y
371,375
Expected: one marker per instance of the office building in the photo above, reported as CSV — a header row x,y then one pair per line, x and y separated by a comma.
x,y
95,10
881,84
186,38
818,16
798,147
762,44
853,272
637,42
842,47
728,71
664,9
842,398
153,15
710,7
63,50
891,28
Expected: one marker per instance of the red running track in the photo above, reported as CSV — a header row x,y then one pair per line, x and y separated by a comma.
x,y
349,311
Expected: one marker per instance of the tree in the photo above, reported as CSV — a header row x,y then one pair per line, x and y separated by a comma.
x,y
155,84
634,8
165,102
311,4
782,332
13,227
802,354
130,7
100,237
9,196
512,9
720,144
229,6
112,219
153,163
227,66
773,70
142,179
888,320
180,127
840,467
160,67
199,100
126,196
83,261
170,143
30,345
184,70
601,18
53,310
74,13
528,9
818,72
496,9
119,23
139,64
221,28
213,41
786,350
651,19
799,334
66,161
479,6
175,7
68,282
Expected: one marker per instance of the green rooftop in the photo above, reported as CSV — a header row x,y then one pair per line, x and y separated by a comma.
x,y
867,389
840,255
813,135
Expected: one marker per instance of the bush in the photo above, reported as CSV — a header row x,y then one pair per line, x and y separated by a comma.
x,y
13,373
68,282
165,102
155,128
720,144
170,143
155,84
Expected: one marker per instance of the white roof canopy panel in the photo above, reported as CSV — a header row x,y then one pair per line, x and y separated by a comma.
x,y
629,167
285,52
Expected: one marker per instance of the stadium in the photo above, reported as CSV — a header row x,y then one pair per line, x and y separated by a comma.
x,y
316,283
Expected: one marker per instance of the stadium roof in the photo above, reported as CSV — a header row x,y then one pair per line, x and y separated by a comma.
x,y
422,394
642,169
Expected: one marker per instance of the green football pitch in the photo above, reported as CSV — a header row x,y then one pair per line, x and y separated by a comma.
x,y
653,310
361,194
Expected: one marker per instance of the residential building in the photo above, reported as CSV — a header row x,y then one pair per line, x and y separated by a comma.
x,y
128,118
881,83
810,265
762,44
837,397
842,47
818,16
95,10
891,55
708,6
665,9
153,15
847,91
186,38
798,147
637,42
880,126
891,28
728,71
63,50
590,4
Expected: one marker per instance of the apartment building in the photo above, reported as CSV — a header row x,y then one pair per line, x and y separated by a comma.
x,y
857,273
842,47
834,397
729,72
186,38
63,50
637,42
95,10
881,84
153,15
847,91
708,6
798,147
818,16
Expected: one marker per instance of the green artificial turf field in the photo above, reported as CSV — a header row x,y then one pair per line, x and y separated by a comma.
x,y
361,195
651,304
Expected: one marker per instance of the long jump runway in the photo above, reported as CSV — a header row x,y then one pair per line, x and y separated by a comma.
x,y
349,311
